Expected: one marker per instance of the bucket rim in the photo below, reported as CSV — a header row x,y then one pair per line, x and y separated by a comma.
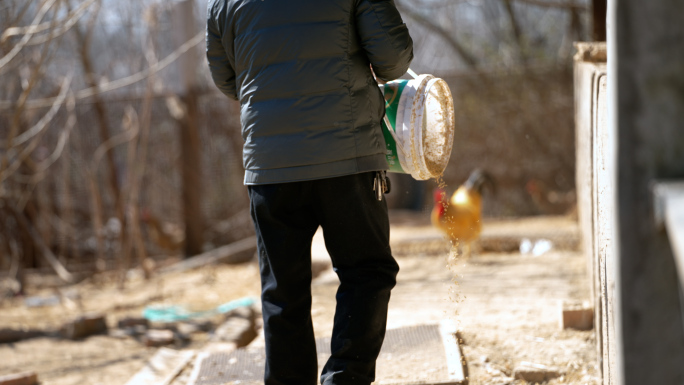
x,y
445,92
449,141
416,128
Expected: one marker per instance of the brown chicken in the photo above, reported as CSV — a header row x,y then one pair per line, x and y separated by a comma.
x,y
552,202
167,236
460,217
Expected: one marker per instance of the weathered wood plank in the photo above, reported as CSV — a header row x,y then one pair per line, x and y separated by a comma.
x,y
452,348
225,253
28,378
163,367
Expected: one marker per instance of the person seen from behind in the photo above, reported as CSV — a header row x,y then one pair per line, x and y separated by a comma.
x,y
310,111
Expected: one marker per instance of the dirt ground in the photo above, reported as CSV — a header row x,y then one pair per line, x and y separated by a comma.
x,y
505,304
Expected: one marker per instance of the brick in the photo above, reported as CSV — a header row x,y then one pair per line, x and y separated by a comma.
x,y
130,322
84,326
535,373
13,335
28,378
120,333
578,317
192,327
130,332
239,330
246,312
156,337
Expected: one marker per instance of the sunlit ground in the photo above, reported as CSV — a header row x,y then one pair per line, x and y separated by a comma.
x,y
505,304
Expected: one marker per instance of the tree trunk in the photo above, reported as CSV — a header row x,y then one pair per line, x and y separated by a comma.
x,y
191,176
184,18
105,134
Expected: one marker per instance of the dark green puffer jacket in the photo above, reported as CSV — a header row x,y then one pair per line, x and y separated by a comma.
x,y
310,107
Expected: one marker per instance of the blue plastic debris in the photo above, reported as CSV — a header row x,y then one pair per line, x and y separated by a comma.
x,y
173,313
42,301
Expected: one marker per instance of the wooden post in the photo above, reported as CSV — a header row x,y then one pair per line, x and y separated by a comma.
x,y
594,192
646,60
191,165
598,15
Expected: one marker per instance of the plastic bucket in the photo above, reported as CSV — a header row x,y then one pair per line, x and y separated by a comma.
x,y
418,126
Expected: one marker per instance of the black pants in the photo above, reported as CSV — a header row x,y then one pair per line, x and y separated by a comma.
x,y
356,231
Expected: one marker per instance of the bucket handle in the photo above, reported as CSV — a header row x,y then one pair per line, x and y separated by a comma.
x,y
396,140
389,126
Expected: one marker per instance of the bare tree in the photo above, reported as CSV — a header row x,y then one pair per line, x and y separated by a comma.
x,y
63,65
480,33
28,46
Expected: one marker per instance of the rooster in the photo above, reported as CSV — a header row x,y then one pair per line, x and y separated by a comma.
x,y
167,236
460,217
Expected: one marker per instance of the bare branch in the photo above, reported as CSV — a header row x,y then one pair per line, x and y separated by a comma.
x,y
37,72
15,50
40,245
84,38
20,15
517,32
114,141
59,148
33,133
142,75
67,22
42,167
61,30
43,122
432,25
119,83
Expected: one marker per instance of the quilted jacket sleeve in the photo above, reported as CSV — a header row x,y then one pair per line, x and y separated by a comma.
x,y
384,37
222,72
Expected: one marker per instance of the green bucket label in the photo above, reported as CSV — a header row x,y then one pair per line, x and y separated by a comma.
x,y
392,92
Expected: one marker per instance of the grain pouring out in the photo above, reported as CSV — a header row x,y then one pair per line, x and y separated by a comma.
x,y
419,130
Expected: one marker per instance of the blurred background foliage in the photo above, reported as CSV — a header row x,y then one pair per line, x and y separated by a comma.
x,y
116,148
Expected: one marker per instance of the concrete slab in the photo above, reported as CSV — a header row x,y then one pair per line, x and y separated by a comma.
x,y
423,354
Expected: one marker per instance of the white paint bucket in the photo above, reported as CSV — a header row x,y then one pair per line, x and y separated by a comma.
x,y
418,126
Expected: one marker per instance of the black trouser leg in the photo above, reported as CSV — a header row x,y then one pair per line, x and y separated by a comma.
x,y
356,231
285,227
